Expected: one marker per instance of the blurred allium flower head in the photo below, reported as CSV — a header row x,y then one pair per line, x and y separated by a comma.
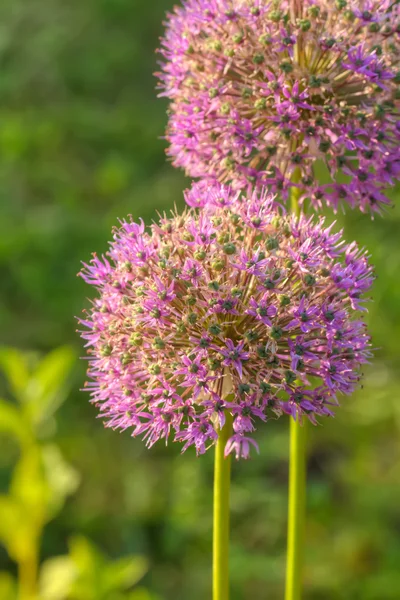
x,y
264,91
235,308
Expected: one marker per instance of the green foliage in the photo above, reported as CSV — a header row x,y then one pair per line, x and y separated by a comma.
x,y
40,484
85,574
80,146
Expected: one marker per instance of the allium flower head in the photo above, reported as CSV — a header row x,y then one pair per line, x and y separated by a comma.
x,y
263,91
235,308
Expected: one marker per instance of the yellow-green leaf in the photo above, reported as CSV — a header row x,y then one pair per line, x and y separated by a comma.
x,y
48,384
13,422
56,578
14,365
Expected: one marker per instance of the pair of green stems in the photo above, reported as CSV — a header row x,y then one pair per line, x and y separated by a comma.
x,y
296,509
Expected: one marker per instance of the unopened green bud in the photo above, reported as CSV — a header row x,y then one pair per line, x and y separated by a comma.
x,y
260,104
229,248
290,377
265,39
136,339
214,329
155,369
286,66
225,108
272,243
265,387
204,343
256,221
251,336
309,280
229,163
244,388
200,255
106,350
218,264
158,343
126,359
275,16
246,93
258,59
305,24
192,318
223,238
314,10
276,333
238,38
216,45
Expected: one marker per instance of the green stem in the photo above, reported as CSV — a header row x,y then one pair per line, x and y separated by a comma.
x,y
296,515
222,475
297,485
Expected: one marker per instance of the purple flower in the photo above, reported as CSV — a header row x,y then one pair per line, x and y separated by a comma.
x,y
234,356
240,446
254,320
261,96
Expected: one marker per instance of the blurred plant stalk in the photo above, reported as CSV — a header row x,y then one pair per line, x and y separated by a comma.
x,y
28,573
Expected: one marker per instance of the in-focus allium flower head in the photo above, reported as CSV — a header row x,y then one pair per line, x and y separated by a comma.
x,y
264,92
232,308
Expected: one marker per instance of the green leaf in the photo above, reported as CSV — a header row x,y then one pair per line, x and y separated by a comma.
x,y
47,388
99,578
125,572
29,486
41,482
13,422
8,587
90,563
141,594
62,479
17,531
57,576
14,365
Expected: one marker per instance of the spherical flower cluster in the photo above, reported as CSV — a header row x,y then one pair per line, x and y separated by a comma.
x,y
296,92
235,308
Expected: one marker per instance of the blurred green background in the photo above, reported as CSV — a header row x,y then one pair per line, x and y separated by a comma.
x,y
105,518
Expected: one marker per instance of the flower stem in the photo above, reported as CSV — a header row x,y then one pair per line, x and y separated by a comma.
x,y
297,485
296,515
222,475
